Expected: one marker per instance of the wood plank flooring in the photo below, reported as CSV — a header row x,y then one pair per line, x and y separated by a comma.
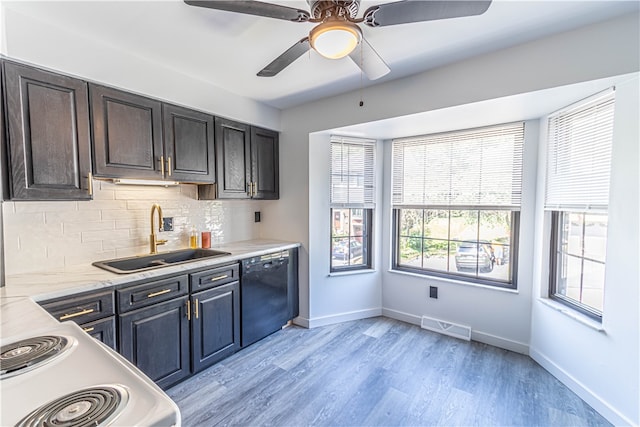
x,y
377,372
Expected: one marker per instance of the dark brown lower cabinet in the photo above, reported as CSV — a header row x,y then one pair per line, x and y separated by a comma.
x,y
156,340
103,330
215,325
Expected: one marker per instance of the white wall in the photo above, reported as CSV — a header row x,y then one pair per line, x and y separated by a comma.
x,y
48,45
607,49
60,235
602,366
359,293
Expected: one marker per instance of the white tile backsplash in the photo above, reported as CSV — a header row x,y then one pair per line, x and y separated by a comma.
x,y
54,236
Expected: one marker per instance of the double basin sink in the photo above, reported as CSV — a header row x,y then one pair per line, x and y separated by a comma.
x,y
140,263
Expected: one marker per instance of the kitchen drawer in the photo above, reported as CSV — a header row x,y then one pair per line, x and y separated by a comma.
x,y
214,277
103,330
153,292
82,309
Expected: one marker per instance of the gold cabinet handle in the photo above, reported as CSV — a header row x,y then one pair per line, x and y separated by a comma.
x,y
250,189
196,308
87,330
79,313
162,166
169,165
155,294
255,189
90,179
189,310
224,276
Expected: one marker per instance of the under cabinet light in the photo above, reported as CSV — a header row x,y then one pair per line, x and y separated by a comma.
x,y
151,182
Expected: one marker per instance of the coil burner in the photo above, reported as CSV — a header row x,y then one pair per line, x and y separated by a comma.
x,y
25,355
95,407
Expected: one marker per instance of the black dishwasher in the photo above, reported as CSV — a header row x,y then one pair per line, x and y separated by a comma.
x,y
263,296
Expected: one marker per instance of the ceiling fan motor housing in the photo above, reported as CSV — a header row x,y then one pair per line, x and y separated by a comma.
x,y
322,9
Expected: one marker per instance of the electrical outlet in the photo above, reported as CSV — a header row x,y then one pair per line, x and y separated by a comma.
x,y
256,216
167,224
433,292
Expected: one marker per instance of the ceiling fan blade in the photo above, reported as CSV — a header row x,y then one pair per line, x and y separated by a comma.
x,y
258,8
284,60
403,12
371,64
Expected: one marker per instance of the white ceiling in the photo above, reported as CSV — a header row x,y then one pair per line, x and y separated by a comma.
x,y
228,49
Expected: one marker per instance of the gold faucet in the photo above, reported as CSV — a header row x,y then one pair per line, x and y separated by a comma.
x,y
153,239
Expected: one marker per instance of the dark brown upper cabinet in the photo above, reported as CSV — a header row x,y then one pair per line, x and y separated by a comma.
x,y
247,162
188,144
139,137
127,134
264,163
49,147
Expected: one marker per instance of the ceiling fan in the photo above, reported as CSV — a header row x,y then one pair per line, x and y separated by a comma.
x,y
337,33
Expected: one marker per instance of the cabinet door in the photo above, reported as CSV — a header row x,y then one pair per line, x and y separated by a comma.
x,y
49,142
233,158
127,134
215,325
189,144
103,330
264,163
156,340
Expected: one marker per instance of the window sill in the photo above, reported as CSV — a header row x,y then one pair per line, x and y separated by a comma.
x,y
578,317
454,281
351,272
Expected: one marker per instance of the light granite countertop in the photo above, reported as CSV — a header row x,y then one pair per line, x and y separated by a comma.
x,y
49,285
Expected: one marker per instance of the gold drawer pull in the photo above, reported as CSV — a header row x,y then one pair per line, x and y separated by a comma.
x,y
79,313
224,276
87,330
162,292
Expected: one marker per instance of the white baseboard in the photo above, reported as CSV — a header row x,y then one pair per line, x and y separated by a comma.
x,y
595,401
482,337
337,318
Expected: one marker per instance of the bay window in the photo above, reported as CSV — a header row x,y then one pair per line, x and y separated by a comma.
x,y
456,201
576,197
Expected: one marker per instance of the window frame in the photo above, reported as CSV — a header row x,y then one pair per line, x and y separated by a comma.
x,y
554,270
593,194
367,219
364,201
513,255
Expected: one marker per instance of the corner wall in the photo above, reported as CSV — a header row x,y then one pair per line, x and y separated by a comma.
x,y
601,366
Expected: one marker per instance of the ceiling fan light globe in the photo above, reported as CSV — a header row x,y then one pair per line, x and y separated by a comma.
x,y
334,40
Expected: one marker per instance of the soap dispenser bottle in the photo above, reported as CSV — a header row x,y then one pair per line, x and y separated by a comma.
x,y
193,238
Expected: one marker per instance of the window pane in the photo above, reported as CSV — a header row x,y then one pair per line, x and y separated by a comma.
x,y
573,233
593,284
436,224
410,251
579,260
595,237
464,225
350,237
411,222
467,256
436,254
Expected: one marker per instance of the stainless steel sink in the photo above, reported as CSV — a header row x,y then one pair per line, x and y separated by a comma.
x,y
148,262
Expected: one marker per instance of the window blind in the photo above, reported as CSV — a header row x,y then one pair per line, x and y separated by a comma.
x,y
479,167
352,172
579,155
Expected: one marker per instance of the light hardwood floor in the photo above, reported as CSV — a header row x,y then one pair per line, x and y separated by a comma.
x,y
377,372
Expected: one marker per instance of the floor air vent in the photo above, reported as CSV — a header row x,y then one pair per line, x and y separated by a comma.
x,y
446,328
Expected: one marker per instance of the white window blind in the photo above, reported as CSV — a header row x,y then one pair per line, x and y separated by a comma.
x,y
579,155
352,172
470,168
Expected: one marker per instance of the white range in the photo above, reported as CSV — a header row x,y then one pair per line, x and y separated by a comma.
x,y
53,373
